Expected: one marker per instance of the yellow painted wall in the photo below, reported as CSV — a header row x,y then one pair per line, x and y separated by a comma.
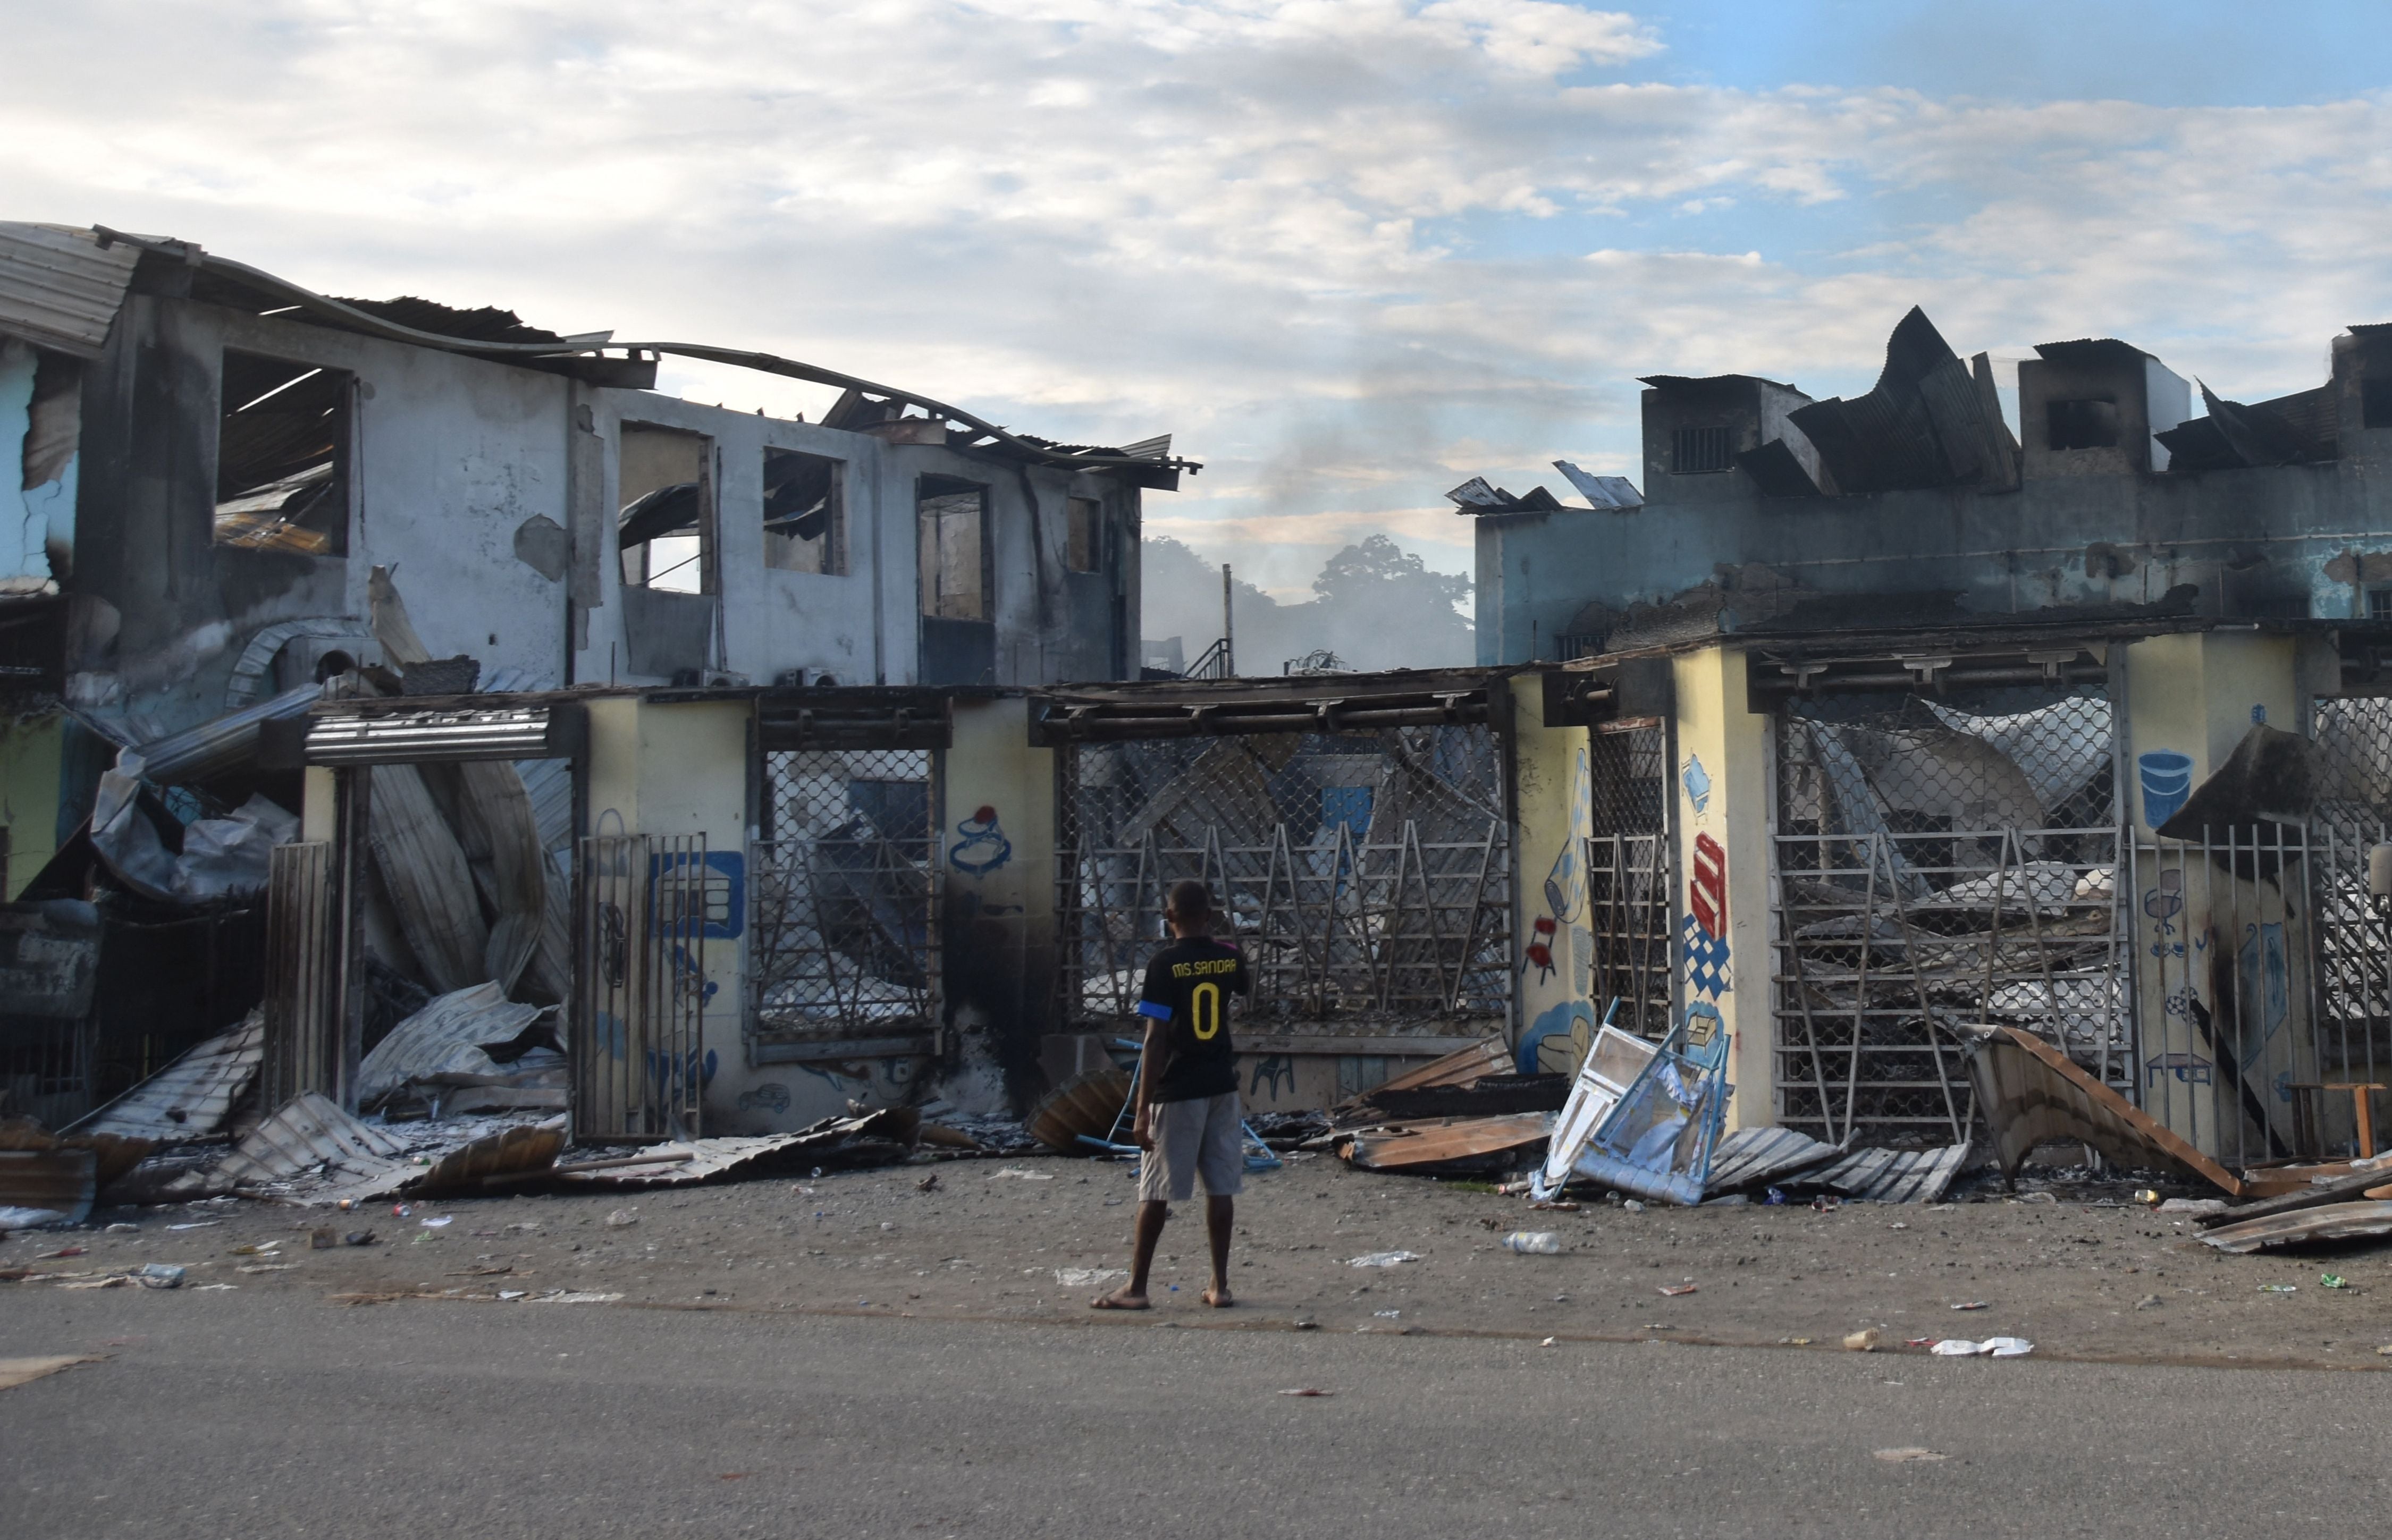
x,y
997,874
32,758
1722,791
2198,696
1552,950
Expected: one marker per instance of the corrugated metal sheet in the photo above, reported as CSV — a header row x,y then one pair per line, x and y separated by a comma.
x,y
58,287
56,1181
1892,1176
1752,1156
228,741
870,1138
2333,1222
498,1159
430,885
2032,1094
1434,1142
442,1043
311,1137
190,1097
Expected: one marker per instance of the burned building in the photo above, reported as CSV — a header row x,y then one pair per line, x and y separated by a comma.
x,y
1897,725
222,477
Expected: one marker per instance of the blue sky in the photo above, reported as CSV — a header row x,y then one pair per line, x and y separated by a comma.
x,y
1350,252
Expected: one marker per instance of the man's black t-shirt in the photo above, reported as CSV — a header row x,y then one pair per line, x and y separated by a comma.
x,y
1189,985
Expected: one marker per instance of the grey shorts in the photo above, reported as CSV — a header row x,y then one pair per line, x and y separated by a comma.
x,y
1200,1138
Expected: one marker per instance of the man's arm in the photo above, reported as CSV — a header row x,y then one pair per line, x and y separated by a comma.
x,y
1153,1058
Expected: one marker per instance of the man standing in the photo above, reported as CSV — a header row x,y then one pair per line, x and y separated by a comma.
x,y
1189,1121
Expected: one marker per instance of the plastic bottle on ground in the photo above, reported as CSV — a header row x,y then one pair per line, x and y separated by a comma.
x,y
1541,1243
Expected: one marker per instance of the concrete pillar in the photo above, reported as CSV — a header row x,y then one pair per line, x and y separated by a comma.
x,y
2221,959
997,874
1554,951
1724,819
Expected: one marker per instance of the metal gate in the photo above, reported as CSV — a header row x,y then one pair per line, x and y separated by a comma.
x,y
843,949
303,1047
1940,861
641,903
1630,904
2353,937
1367,873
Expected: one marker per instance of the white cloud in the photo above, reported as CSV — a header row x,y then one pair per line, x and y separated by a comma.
x,y
1348,252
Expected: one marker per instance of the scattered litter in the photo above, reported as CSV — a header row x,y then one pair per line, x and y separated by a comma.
x,y
2333,1280
575,1297
1906,1457
1308,1391
264,1250
927,1185
19,1217
122,1229
1992,1347
1971,1305
2195,1206
322,1239
1635,1205
159,1275
61,1251
119,1281
1865,1341
270,1267
1793,1341
1549,1341
400,1210
1382,1259
359,1237
436,1223
196,1224
1087,1278
1387,1314
621,1219
513,1293
1673,1290
1538,1243
2279,1288
203,1289
2149,1302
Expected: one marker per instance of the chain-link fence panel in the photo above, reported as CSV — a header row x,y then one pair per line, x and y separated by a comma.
x,y
1366,874
843,940
1941,861
2352,766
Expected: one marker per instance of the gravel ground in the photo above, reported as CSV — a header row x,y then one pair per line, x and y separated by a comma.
x,y
2085,1276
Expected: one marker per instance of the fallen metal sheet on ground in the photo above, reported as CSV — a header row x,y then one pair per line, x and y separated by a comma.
x,y
22,1371
1751,1157
526,1152
190,1097
2333,1222
1487,1096
2346,1187
57,1180
868,1139
1461,1143
1089,1103
310,1139
1891,1176
2032,1093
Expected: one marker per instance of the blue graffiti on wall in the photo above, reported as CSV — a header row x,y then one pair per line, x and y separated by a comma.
x,y
983,847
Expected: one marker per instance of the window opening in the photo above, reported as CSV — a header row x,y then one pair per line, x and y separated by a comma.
x,y
805,512
2375,403
2379,603
667,525
2081,424
1084,546
1696,451
282,456
954,527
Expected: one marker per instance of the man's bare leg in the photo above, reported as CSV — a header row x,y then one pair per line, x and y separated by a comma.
x,y
1221,1215
1132,1295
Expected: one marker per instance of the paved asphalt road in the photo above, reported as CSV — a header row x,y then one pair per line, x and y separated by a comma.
x,y
231,1415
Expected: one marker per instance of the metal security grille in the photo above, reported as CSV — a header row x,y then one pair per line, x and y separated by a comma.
x,y
844,943
302,1022
643,903
2353,939
1630,901
1367,874
1941,861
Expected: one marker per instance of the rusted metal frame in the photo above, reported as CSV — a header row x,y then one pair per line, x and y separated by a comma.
x,y
1793,944
1282,857
2112,997
1926,1013
1478,907
1860,994
1603,916
2043,956
1994,931
353,810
